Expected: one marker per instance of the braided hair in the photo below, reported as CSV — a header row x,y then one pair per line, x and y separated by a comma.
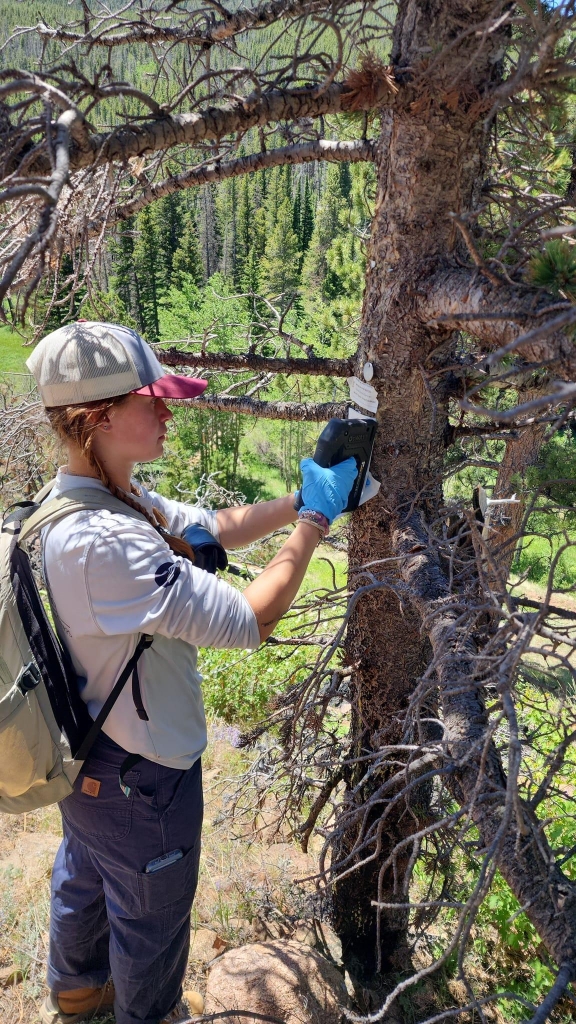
x,y
77,425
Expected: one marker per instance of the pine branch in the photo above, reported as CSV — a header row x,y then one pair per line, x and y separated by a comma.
x,y
163,133
311,411
216,171
146,31
458,298
313,366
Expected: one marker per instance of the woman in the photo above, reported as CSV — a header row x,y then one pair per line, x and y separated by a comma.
x,y
126,872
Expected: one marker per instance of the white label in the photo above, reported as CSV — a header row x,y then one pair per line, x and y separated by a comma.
x,y
368,371
355,414
363,394
370,489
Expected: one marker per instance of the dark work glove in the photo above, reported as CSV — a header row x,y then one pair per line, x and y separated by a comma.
x,y
208,552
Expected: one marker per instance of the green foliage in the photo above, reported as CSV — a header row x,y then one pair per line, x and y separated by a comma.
x,y
281,263
555,268
551,487
326,228
239,685
13,355
187,264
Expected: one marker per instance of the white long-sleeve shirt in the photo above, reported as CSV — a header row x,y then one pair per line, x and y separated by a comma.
x,y
112,578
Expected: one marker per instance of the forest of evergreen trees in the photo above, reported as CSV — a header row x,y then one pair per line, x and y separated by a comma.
x,y
293,236
219,267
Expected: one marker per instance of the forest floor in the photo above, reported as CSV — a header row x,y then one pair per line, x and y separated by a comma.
x,y
249,890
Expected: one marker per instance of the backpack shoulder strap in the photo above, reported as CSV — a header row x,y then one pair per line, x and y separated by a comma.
x,y
44,491
79,499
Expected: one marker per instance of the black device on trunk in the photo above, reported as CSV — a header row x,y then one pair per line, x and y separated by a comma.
x,y
341,439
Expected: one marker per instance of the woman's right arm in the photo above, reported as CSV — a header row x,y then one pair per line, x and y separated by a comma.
x,y
272,593
325,491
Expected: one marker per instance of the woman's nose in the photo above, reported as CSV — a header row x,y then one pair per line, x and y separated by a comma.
x,y
165,413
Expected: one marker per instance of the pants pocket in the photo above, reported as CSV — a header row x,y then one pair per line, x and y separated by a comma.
x,y
178,881
101,811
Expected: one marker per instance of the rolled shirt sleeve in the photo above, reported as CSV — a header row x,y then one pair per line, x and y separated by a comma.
x,y
180,515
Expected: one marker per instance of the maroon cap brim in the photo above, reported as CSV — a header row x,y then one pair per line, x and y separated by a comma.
x,y
173,386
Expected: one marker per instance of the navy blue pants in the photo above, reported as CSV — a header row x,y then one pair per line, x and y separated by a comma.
x,y
109,916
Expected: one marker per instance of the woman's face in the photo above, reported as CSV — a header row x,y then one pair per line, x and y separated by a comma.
x,y
135,430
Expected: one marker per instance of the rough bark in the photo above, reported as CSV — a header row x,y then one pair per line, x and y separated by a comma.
x,y
523,320
430,163
314,411
147,32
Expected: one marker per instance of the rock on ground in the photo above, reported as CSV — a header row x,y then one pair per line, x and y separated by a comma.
x,y
283,979
205,945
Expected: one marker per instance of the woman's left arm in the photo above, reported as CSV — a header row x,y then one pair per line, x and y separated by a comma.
x,y
244,524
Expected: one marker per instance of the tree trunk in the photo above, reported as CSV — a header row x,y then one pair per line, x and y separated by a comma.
x,y
430,163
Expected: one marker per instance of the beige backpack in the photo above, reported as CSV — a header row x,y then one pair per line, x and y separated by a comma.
x,y
45,729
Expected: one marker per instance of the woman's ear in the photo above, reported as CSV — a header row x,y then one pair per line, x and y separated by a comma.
x,y
103,421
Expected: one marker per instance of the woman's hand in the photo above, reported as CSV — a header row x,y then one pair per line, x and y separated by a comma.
x,y
327,490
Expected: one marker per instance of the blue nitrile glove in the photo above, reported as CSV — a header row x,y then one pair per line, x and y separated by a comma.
x,y
327,490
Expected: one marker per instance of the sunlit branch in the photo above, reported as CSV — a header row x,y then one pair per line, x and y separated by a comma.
x,y
305,152
151,135
457,298
146,30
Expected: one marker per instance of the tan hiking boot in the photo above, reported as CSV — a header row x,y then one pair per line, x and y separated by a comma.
x,y
189,1008
77,1004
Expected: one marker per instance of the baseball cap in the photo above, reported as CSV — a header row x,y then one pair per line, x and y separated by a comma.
x,y
88,360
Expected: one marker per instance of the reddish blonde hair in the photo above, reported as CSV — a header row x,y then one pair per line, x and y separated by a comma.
x,y
77,425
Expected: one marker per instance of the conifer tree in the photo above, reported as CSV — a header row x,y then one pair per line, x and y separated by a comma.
x,y
209,239
315,271
122,253
226,198
345,180
274,197
280,265
187,260
244,231
168,220
438,784
297,213
307,222
147,265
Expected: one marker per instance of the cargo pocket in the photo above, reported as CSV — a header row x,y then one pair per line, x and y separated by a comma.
x,y
29,754
158,889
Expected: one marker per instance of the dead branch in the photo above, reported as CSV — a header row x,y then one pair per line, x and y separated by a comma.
x,y
122,30
164,133
311,411
312,366
452,298
304,152
522,853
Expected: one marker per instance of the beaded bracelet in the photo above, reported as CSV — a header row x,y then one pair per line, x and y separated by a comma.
x,y
317,519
